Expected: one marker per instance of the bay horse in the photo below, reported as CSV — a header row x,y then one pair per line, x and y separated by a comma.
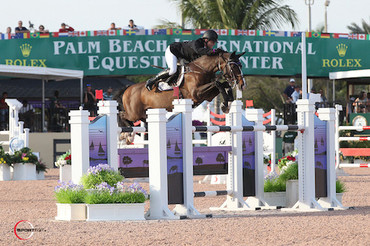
x,y
199,84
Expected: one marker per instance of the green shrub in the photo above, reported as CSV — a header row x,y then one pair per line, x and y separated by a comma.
x,y
290,173
274,185
100,174
70,193
340,186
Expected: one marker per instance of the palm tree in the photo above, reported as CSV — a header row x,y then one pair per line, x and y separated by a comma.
x,y
167,24
356,29
236,14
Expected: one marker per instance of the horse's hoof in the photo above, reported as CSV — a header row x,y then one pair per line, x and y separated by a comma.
x,y
224,108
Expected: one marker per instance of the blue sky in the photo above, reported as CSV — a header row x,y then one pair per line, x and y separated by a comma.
x,y
97,14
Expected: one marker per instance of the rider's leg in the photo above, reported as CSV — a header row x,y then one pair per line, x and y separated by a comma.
x,y
171,60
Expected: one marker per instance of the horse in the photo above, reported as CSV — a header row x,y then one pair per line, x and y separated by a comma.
x,y
200,84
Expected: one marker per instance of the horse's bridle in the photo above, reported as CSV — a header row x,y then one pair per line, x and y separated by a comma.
x,y
231,79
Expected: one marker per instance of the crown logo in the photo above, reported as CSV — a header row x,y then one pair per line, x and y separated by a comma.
x,y
26,49
342,49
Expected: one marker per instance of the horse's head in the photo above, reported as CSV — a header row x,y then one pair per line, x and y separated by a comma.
x,y
232,69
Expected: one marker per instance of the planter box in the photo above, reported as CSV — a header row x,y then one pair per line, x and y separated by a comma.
x,y
65,173
339,197
292,195
40,175
24,171
68,211
275,198
4,172
116,211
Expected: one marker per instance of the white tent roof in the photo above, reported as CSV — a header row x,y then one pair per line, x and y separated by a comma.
x,y
364,73
44,73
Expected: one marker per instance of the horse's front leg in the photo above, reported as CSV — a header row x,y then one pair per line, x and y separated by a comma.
x,y
227,94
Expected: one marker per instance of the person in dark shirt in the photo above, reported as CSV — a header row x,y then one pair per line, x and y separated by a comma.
x,y
20,28
288,91
89,100
188,51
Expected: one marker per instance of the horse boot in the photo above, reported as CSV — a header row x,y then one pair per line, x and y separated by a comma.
x,y
162,75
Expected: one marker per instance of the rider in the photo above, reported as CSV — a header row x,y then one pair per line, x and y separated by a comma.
x,y
189,50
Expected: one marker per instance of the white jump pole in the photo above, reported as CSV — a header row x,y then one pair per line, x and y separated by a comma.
x,y
79,122
329,115
109,108
158,166
304,67
273,135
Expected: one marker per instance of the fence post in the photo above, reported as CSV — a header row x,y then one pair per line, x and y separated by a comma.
x,y
158,165
109,108
79,122
184,106
256,115
306,155
329,115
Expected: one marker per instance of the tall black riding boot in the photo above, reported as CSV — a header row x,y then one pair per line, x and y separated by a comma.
x,y
162,75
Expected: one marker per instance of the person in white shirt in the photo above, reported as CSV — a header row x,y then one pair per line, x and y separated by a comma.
x,y
295,95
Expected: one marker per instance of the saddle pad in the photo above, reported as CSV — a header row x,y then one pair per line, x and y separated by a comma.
x,y
163,86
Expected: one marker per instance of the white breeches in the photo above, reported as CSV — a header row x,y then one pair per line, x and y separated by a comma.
x,y
171,61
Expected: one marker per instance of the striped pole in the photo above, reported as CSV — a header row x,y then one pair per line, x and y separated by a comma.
x,y
354,139
357,128
354,165
213,193
247,128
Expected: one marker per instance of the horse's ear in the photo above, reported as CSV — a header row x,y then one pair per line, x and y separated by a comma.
x,y
241,54
232,56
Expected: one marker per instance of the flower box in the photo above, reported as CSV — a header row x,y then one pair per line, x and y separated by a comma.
x,y
292,195
71,211
65,173
275,198
115,211
339,197
40,175
24,171
4,172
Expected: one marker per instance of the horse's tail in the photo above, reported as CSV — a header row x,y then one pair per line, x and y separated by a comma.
x,y
118,97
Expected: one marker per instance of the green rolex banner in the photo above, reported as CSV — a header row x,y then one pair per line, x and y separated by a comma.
x,y
134,55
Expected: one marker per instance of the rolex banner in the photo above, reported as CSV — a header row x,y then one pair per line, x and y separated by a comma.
x,y
135,55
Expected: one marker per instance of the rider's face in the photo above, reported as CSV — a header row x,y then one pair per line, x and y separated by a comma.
x,y
210,44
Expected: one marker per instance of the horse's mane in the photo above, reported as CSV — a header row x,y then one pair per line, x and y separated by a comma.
x,y
206,57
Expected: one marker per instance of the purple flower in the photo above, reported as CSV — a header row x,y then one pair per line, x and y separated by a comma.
x,y
105,187
67,186
135,187
97,169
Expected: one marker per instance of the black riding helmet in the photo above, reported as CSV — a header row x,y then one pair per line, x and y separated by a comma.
x,y
210,35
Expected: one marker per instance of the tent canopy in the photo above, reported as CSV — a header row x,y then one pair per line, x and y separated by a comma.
x,y
352,74
43,73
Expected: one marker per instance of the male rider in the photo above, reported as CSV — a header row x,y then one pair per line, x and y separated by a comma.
x,y
189,50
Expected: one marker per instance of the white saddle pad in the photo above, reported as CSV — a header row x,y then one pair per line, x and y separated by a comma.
x,y
163,86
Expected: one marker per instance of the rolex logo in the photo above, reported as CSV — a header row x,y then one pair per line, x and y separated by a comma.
x,y
26,49
342,49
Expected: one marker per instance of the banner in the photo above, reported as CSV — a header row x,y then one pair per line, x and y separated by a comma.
x,y
135,54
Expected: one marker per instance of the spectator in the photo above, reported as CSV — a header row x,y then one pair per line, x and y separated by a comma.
x,y
58,113
42,29
66,28
20,28
288,91
108,94
89,100
113,27
322,96
4,111
296,94
8,30
361,100
132,26
26,114
288,141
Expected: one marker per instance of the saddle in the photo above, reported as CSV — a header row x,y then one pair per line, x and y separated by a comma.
x,y
175,80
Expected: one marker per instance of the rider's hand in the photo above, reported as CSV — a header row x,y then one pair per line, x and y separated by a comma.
x,y
218,50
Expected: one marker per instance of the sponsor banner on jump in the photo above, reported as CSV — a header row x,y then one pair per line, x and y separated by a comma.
x,y
135,54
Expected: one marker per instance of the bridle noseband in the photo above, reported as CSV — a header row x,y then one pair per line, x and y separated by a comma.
x,y
231,79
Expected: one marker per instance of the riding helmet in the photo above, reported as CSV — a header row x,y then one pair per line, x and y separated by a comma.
x,y
210,35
